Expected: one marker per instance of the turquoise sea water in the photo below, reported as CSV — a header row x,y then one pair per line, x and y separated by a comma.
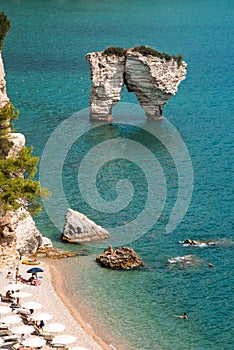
x,y
48,81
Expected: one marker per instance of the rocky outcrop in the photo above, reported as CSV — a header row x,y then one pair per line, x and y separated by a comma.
x,y
153,79
78,228
107,75
53,253
3,94
18,236
121,258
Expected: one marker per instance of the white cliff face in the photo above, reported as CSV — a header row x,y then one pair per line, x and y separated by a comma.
x,y
107,74
18,141
18,232
78,228
154,80
3,94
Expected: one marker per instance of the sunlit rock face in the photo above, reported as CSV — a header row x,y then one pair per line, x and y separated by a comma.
x,y
79,228
107,75
3,94
154,80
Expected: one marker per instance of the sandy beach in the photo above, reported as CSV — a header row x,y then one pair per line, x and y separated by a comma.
x,y
51,294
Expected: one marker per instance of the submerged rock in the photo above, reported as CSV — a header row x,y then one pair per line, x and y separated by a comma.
x,y
53,253
120,258
153,78
78,228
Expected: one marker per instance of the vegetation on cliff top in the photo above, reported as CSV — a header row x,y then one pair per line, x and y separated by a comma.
x,y
118,51
143,50
18,188
146,50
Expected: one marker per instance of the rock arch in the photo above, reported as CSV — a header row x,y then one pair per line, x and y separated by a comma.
x,y
153,79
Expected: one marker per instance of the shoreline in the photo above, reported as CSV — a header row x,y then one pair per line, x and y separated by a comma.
x,y
52,295
59,288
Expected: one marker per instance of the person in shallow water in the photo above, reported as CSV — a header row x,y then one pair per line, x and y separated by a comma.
x,y
184,316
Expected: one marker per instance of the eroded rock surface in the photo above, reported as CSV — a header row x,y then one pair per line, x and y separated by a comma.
x,y
120,258
78,228
3,94
154,80
107,75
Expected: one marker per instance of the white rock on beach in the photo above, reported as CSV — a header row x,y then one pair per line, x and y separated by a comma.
x,y
78,228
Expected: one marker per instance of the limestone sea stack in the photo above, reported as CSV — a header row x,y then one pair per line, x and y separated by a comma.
x,y
153,76
120,258
78,228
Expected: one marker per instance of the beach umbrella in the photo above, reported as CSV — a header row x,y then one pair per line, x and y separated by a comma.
x,y
31,305
54,327
5,309
34,342
11,319
14,286
23,329
42,316
21,294
35,270
64,339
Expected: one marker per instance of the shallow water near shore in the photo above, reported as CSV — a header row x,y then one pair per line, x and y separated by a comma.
x,y
48,81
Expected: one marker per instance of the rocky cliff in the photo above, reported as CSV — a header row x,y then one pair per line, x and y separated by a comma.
x,y
3,94
153,79
18,232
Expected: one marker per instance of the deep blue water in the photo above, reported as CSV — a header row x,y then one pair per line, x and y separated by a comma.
x,y
48,82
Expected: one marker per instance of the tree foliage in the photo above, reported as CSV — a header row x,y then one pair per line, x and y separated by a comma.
x,y
7,115
17,184
5,26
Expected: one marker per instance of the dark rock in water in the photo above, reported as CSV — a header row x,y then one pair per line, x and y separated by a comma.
x,y
193,242
121,258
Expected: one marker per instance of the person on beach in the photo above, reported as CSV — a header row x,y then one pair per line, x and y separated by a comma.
x,y
9,275
41,325
184,316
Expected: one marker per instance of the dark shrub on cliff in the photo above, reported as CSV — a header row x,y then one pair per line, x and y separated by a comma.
x,y
118,51
146,50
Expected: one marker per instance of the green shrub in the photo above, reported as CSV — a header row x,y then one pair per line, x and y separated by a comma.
x,y
17,185
146,50
118,51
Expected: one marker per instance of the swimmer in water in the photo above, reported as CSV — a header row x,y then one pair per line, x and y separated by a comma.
x,y
184,316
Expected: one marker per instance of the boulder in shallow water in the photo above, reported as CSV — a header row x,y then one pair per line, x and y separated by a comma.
x,y
120,258
78,228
